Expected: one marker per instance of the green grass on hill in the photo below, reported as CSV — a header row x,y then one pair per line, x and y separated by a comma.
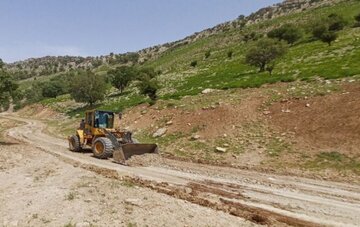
x,y
305,60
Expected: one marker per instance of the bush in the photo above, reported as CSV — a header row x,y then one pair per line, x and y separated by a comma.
x,y
230,54
288,32
193,64
357,18
207,54
264,54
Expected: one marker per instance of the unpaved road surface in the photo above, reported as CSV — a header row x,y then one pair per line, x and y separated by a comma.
x,y
260,198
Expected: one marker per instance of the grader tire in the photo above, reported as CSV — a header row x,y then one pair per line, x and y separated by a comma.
x,y
74,144
102,148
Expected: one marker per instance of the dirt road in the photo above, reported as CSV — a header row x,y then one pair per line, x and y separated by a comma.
x,y
258,197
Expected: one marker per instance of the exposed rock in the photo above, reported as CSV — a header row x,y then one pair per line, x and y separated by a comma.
x,y
195,137
134,202
160,132
188,190
208,90
169,123
83,224
221,149
266,112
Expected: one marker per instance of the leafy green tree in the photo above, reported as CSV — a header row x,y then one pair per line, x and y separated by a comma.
x,y
329,37
52,90
336,22
148,84
322,32
88,87
318,30
264,53
149,87
207,54
288,32
357,18
193,64
8,89
1,63
230,53
122,76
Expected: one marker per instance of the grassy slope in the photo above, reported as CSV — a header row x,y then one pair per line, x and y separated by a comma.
x,y
304,60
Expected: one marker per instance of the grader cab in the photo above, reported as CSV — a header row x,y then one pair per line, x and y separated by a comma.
x,y
97,131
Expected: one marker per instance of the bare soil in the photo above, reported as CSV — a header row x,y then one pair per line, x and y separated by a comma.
x,y
330,122
260,198
38,189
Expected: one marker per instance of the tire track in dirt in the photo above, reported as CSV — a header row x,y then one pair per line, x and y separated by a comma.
x,y
261,198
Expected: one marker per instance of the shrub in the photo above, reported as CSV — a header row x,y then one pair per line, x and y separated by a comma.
x,y
207,54
193,64
357,18
230,54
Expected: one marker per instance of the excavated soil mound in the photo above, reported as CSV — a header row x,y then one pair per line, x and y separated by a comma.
x,y
145,160
324,122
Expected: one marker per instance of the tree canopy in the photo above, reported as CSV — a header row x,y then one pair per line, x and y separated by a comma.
x,y
288,32
122,76
88,87
264,53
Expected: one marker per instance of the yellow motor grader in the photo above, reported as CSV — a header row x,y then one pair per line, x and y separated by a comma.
x,y
97,131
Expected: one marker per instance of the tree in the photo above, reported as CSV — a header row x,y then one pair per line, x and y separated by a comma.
x,y
148,84
8,88
336,22
322,32
88,87
357,18
52,90
1,63
193,64
288,32
122,76
230,53
329,37
149,87
318,30
207,54
264,53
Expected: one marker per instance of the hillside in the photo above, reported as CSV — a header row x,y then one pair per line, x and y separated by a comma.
x,y
205,107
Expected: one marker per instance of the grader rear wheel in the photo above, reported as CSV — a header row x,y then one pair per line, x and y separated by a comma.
x,y
102,148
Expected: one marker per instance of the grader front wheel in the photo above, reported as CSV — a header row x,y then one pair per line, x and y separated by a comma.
x,y
74,144
102,148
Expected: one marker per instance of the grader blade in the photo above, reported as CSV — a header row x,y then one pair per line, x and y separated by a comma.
x,y
126,151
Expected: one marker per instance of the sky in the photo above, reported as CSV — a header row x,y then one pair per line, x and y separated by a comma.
x,y
36,28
